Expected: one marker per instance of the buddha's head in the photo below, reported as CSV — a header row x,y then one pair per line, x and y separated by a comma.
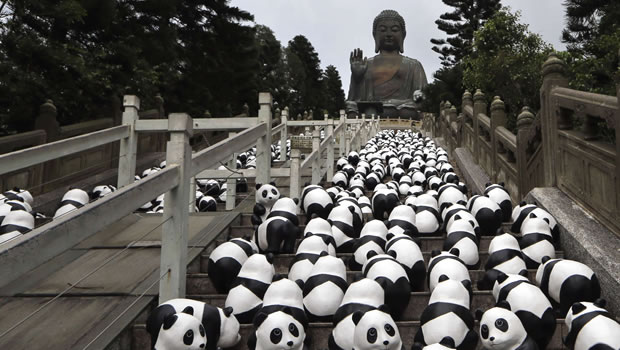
x,y
389,31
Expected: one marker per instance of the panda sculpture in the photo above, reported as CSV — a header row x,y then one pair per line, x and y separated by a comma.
x,y
566,282
426,215
498,194
72,200
358,217
322,228
325,287
505,256
277,330
501,329
463,237
488,214
384,269
101,191
308,252
220,325
363,295
226,260
375,329
402,219
277,234
522,212
365,206
17,194
449,214
248,289
207,204
181,331
383,202
341,219
590,326
209,187
287,208
536,241
449,194
341,179
315,200
530,305
266,196
13,205
372,238
448,264
446,343
372,180
447,314
14,224
408,253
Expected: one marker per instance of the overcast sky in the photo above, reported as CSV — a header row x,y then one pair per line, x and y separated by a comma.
x,y
336,27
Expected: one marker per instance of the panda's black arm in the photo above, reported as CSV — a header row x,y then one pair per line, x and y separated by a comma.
x,y
259,209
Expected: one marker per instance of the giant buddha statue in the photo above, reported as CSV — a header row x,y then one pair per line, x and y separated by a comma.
x,y
389,81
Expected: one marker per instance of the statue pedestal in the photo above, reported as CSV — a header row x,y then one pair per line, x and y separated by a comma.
x,y
370,107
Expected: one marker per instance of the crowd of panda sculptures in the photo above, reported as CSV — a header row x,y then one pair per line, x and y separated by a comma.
x,y
358,257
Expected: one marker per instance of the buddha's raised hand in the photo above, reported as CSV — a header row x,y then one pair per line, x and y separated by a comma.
x,y
359,63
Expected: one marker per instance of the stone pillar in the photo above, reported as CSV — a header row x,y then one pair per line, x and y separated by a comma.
x,y
129,145
498,118
295,189
451,141
553,75
343,131
525,122
480,106
330,151
316,163
46,120
618,148
231,183
263,144
283,135
176,216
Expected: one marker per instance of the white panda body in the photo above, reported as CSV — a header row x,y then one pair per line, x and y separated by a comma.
x,y
291,334
72,200
181,331
446,263
501,329
308,252
591,326
246,294
325,287
386,335
321,227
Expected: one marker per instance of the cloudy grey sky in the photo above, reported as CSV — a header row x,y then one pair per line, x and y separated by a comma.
x,y
336,27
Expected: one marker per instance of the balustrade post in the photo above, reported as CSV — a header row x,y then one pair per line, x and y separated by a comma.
x,y
316,163
128,146
347,145
553,76
231,183
284,135
343,131
295,189
618,147
176,215
263,144
498,118
525,122
330,151
451,141
480,106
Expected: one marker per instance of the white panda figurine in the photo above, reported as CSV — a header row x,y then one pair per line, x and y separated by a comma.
x,y
14,224
101,191
363,295
315,200
181,331
278,233
372,238
375,329
226,260
501,329
446,263
427,215
372,180
504,256
72,200
365,206
402,221
220,325
446,343
536,241
207,204
353,158
447,314
266,196
322,228
590,326
449,213
566,282
383,202
408,253
522,212
449,194
341,162
150,171
17,194
529,303
488,214
384,269
463,237
287,208
498,194
277,330
324,288
358,217
13,205
308,252
340,179
341,219
356,186
247,291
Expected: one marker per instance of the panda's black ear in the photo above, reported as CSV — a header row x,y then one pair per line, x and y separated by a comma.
x,y
170,320
277,277
389,236
502,184
547,221
478,314
523,203
577,308
455,251
545,259
307,184
523,273
323,253
501,277
457,217
272,184
503,304
269,258
300,283
435,252
385,308
462,202
443,278
188,310
417,346
499,232
228,311
467,285
259,319
308,234
296,200
370,254
357,316
600,302
258,185
448,342
477,230
392,253
487,184
533,215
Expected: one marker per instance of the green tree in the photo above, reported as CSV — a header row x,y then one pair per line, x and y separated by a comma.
x,y
310,88
273,70
446,87
506,61
334,95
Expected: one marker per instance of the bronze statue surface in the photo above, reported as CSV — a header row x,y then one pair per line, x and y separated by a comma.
x,y
389,78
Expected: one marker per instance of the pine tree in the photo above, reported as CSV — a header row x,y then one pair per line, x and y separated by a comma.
x,y
334,95
310,87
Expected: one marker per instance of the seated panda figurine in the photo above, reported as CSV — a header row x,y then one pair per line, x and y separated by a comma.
x,y
266,196
101,191
247,291
375,329
72,200
181,331
315,200
220,325
277,330
226,260
501,329
277,234
590,326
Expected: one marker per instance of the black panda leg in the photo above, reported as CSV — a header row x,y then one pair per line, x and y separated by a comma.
x,y
469,342
331,343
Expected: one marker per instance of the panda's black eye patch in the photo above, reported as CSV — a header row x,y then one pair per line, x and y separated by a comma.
x,y
188,338
201,329
501,324
371,335
293,329
389,329
274,191
265,193
275,336
484,331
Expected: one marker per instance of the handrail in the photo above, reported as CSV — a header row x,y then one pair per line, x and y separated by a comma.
x,y
484,121
201,124
310,158
508,139
306,122
24,253
569,98
277,129
39,154
221,151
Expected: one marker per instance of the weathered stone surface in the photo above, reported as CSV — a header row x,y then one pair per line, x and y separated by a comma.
x,y
584,239
474,176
